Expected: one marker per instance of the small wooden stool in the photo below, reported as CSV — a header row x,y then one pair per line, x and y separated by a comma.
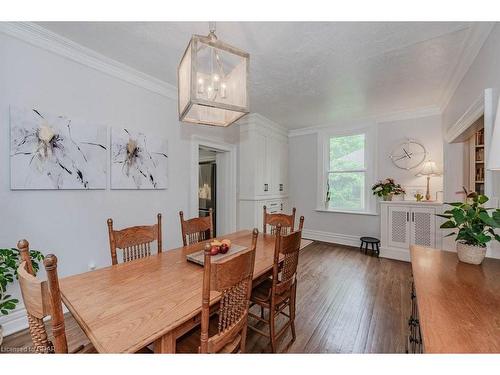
x,y
374,242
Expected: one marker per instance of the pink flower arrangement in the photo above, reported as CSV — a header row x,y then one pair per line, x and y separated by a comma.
x,y
387,187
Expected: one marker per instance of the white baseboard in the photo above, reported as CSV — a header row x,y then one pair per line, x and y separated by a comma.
x,y
350,240
397,254
14,322
341,239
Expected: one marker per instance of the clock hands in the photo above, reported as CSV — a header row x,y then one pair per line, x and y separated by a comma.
x,y
407,155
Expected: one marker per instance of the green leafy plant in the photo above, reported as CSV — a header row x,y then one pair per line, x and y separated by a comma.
x,y
387,187
9,261
476,226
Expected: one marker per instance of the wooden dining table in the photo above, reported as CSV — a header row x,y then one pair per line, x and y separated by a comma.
x,y
125,307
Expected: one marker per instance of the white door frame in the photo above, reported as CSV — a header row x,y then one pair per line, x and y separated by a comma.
x,y
226,167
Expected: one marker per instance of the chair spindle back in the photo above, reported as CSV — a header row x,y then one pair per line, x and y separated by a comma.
x,y
135,242
232,277
197,229
41,299
289,246
287,222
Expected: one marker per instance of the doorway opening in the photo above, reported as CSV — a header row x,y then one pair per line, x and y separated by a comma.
x,y
207,184
223,181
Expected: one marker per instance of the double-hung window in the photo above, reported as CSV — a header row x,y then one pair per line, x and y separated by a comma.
x,y
347,171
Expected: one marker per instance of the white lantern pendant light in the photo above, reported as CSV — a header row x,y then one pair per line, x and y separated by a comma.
x,y
212,82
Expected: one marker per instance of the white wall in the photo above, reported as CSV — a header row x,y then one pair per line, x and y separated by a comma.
x,y
484,73
72,224
347,228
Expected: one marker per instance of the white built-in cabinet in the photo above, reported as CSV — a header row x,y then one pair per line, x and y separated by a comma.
x,y
405,223
263,169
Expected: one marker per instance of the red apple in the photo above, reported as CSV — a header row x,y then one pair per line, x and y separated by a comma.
x,y
223,248
214,250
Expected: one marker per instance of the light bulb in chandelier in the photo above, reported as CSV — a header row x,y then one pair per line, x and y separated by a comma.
x,y
201,86
223,91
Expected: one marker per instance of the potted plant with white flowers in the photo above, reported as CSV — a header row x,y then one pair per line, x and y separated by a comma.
x,y
9,261
476,227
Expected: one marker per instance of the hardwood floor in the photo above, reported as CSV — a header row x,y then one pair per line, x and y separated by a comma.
x,y
347,302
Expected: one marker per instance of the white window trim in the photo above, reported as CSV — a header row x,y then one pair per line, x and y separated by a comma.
x,y
370,164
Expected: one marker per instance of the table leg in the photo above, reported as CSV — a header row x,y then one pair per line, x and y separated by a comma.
x,y
166,344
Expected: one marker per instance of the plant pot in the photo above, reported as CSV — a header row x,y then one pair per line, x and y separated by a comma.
x,y
1,334
387,197
470,254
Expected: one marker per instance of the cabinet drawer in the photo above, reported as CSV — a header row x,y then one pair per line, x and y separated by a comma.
x,y
274,206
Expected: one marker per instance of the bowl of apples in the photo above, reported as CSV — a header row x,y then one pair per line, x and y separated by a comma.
x,y
219,247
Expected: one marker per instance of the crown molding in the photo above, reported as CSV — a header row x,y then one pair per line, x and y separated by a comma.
x,y
409,114
55,43
376,120
256,120
478,33
458,129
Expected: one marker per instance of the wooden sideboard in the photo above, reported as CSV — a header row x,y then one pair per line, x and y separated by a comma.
x,y
456,305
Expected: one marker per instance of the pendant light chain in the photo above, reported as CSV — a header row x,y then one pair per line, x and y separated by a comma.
x,y
212,28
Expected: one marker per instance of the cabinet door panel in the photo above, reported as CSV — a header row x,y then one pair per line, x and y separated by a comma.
x,y
283,169
260,164
272,164
399,227
423,226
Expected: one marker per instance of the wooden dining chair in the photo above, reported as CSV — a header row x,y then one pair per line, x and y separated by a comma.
x,y
279,292
135,242
197,229
287,222
232,277
223,325
42,299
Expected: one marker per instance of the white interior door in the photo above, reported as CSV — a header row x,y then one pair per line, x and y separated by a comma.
x,y
399,227
423,226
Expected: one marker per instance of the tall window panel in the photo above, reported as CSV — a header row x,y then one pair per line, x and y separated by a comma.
x,y
346,174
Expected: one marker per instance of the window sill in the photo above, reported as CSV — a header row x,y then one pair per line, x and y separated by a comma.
x,y
367,213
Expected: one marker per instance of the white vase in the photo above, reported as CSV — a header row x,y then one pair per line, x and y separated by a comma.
x,y
470,254
1,334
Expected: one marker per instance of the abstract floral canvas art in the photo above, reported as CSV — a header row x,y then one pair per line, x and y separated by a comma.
x,y
138,161
56,152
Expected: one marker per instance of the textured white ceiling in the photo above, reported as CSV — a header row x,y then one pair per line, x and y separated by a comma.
x,y
302,73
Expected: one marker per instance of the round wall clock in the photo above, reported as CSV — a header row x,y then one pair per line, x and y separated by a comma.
x,y
408,155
